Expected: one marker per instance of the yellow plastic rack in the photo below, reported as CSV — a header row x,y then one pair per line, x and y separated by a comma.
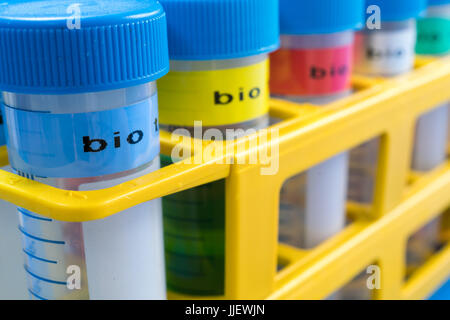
x,y
308,135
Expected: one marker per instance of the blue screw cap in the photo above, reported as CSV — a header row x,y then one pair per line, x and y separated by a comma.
x,y
221,29
438,2
398,10
320,16
58,47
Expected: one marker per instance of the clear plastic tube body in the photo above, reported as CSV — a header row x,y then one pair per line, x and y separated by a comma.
x,y
432,131
431,137
312,204
194,220
386,52
430,148
12,277
119,257
13,284
442,11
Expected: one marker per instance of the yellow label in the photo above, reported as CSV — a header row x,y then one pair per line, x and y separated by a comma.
x,y
218,97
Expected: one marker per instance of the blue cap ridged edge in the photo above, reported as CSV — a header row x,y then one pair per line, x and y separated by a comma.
x,y
56,60
221,29
399,10
438,2
320,16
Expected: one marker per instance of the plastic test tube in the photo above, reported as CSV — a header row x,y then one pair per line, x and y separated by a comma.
x,y
432,132
219,75
386,51
314,65
431,141
80,104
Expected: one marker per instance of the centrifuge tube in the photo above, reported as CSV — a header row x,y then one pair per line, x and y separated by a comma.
x,y
432,131
218,78
81,110
433,38
12,278
385,50
314,65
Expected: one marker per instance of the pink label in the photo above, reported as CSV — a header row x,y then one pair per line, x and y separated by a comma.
x,y
306,72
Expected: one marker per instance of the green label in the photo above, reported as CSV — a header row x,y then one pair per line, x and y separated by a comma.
x,y
433,36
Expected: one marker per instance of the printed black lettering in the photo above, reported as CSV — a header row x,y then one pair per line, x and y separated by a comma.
x,y
317,73
87,141
375,54
117,140
254,93
241,94
220,97
343,70
429,37
131,136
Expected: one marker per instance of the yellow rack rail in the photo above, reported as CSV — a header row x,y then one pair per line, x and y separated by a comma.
x,y
307,136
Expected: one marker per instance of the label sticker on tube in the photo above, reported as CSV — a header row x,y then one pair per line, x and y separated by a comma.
x,y
433,36
385,53
309,72
217,97
82,145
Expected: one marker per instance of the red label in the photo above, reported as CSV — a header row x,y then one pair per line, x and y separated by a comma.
x,y
306,72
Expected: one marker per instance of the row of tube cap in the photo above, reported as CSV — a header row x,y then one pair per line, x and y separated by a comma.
x,y
60,61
